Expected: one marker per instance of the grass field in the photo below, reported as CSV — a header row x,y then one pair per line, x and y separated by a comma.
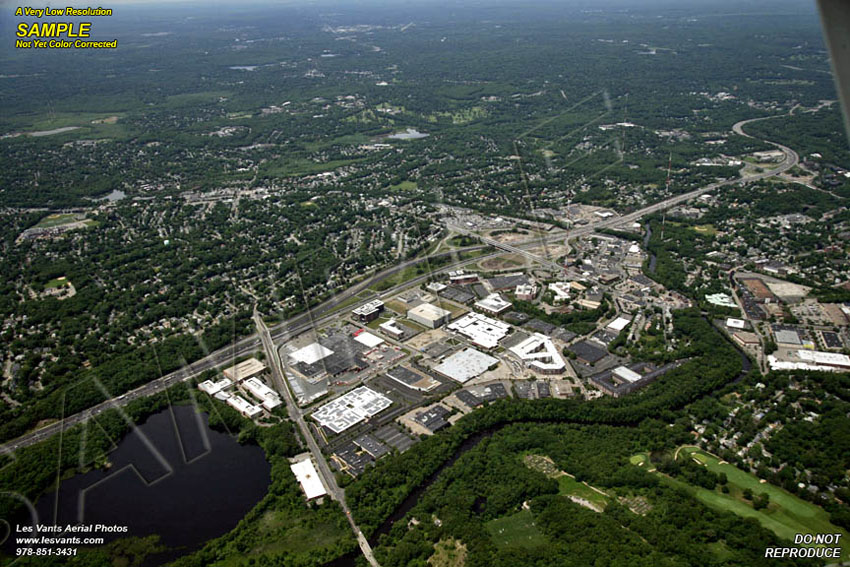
x,y
58,282
706,229
786,514
51,221
517,530
404,186
568,486
290,531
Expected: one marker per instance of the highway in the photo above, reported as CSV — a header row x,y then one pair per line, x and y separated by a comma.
x,y
295,413
318,315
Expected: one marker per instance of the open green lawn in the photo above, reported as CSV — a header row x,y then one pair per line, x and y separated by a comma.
x,y
706,229
51,221
58,282
404,186
516,530
568,486
786,515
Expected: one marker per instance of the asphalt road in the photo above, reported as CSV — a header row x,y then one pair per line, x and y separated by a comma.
x,y
314,316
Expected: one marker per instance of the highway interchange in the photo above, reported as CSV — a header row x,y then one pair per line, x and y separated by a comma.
x,y
320,314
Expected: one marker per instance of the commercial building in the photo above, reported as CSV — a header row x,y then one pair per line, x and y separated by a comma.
x,y
242,405
561,291
412,379
465,365
244,370
268,397
539,353
624,374
429,315
368,311
618,324
508,281
482,331
721,300
335,355
457,295
587,352
811,360
493,304
392,329
433,419
460,277
351,408
307,476
368,340
525,292
745,338
213,388
436,287
735,323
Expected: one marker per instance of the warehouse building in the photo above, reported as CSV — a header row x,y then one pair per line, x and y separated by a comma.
x,y
466,365
411,379
429,315
308,478
351,408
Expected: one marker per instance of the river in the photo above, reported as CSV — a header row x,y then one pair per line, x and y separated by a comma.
x,y
172,476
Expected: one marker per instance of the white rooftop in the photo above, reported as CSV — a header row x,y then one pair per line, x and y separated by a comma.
x,y
309,479
429,311
351,408
619,324
540,352
735,323
311,353
464,365
481,330
368,339
721,299
494,303
626,374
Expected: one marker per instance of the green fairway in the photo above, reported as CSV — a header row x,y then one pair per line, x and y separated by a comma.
x,y
786,514
516,530
58,282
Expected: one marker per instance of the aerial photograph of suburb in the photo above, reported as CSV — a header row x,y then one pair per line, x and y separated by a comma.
x,y
425,283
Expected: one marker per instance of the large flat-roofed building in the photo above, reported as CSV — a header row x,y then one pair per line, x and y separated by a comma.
x,y
539,353
311,354
244,370
213,388
308,478
368,340
625,374
464,365
508,281
411,379
493,304
337,354
460,277
351,408
242,405
588,352
481,331
259,390
429,315
758,289
433,419
811,360
368,311
618,324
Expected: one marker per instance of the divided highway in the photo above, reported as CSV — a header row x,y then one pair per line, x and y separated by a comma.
x,y
318,315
